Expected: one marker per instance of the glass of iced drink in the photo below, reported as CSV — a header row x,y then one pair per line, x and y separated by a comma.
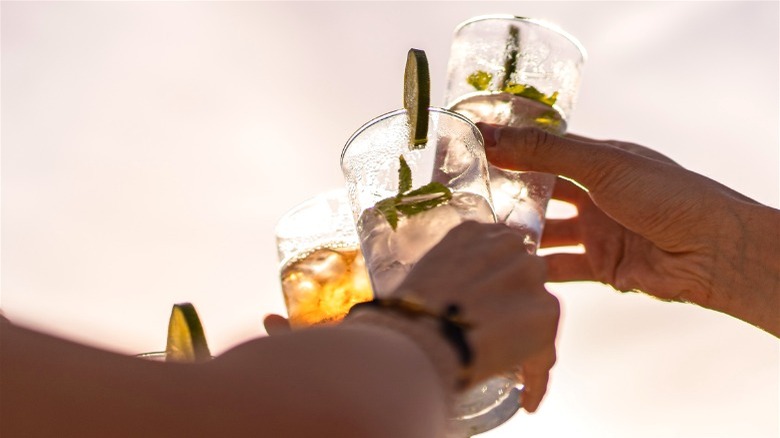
x,y
404,199
518,72
399,218
323,273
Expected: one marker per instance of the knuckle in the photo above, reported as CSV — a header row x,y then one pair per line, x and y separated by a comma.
x,y
525,147
532,268
534,139
614,167
461,231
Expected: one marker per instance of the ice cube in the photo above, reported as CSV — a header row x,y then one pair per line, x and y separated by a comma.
x,y
299,289
386,278
324,265
373,230
472,207
417,234
526,215
360,279
527,219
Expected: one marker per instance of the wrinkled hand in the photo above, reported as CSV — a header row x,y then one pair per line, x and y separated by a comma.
x,y
499,287
646,223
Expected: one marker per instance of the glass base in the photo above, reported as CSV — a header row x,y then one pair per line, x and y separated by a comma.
x,y
485,407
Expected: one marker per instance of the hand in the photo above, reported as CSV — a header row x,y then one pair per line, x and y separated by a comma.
x,y
499,287
648,224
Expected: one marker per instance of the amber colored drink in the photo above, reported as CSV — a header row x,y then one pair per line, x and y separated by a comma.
x,y
322,286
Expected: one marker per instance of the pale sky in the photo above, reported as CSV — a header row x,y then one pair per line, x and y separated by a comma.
x,y
148,150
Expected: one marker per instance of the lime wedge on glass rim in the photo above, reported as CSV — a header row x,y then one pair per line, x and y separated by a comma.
x,y
417,96
186,341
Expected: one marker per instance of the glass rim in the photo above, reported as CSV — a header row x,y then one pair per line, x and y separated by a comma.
x,y
330,193
463,97
395,113
152,355
155,355
535,21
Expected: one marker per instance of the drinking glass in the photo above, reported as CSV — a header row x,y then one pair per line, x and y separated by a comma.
x,y
370,162
322,270
453,157
519,72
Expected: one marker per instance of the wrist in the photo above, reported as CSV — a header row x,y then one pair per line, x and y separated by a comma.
x,y
746,275
425,333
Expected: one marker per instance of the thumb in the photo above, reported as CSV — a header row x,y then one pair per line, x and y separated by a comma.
x,y
593,164
645,195
276,325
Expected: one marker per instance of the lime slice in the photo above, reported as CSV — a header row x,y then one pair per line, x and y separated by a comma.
x,y
186,341
417,96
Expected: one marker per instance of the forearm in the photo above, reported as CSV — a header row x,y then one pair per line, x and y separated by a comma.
x,y
339,381
53,387
746,274
348,382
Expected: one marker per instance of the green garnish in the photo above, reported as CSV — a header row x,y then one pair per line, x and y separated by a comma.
x,y
480,80
404,176
549,119
530,92
417,97
411,202
423,199
512,52
387,207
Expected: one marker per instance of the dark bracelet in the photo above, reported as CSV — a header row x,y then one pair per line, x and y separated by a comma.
x,y
453,327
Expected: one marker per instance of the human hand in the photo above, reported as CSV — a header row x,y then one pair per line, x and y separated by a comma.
x,y
499,289
650,225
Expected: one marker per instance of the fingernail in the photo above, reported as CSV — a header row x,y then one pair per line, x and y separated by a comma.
x,y
491,134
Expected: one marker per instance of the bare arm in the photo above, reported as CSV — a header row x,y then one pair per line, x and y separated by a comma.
x,y
379,374
345,382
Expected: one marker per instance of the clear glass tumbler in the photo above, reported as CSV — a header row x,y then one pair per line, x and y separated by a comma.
x,y
371,162
454,158
322,270
518,72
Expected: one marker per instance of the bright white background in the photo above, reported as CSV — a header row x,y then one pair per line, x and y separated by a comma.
x,y
149,148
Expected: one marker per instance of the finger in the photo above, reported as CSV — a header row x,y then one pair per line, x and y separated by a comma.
x,y
561,232
568,191
534,387
588,162
519,273
276,325
500,238
469,231
629,147
583,138
569,267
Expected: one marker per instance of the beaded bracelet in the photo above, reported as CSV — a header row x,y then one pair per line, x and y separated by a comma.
x,y
453,327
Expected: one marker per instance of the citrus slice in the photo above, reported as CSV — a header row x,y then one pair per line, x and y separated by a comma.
x,y
417,96
186,341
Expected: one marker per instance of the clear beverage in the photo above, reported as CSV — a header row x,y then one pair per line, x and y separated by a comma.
x,y
321,286
519,72
519,198
453,157
393,253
